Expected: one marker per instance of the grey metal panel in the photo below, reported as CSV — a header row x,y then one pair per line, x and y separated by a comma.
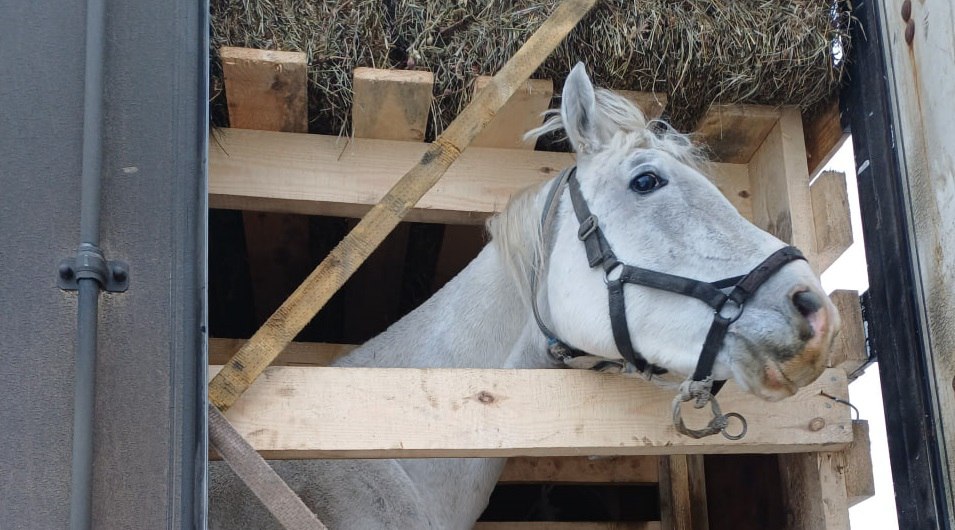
x,y
149,418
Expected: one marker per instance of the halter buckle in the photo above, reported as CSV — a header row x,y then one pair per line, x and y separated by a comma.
x,y
587,227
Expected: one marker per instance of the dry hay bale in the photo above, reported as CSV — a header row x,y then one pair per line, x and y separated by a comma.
x,y
696,51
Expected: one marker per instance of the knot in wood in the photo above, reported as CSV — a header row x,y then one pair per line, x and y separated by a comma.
x,y
817,424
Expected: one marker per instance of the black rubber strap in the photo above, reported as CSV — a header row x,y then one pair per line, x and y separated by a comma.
x,y
621,331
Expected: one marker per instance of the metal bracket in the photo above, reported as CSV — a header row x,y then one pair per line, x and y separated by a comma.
x,y
113,276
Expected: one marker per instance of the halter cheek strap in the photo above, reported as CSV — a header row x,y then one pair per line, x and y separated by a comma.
x,y
727,308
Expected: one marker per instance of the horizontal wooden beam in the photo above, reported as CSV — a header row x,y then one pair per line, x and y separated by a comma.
x,y
554,525
305,412
733,133
327,175
581,470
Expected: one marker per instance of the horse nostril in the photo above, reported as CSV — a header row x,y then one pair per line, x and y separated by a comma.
x,y
807,303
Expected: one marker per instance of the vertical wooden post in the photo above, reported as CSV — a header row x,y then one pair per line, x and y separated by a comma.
x,y
266,90
683,493
814,484
388,105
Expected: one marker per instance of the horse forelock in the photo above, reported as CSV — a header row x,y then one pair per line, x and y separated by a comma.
x,y
629,129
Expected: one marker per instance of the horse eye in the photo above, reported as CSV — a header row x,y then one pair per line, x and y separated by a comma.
x,y
646,182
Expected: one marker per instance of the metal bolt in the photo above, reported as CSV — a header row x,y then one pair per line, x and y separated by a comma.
x,y
906,10
65,271
119,273
816,424
909,31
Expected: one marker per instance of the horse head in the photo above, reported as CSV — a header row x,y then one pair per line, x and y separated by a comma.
x,y
644,185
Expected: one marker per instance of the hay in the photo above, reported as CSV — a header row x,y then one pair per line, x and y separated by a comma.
x,y
696,51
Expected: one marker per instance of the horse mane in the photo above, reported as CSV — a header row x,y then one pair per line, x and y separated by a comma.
x,y
516,231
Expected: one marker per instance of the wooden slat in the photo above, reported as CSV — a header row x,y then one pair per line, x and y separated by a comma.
x,y
388,105
849,350
296,354
683,493
733,133
305,302
391,104
814,487
326,175
651,103
824,137
830,211
522,113
860,483
581,470
464,412
555,525
266,91
780,185
814,491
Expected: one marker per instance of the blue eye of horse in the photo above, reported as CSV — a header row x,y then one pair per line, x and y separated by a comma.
x,y
646,182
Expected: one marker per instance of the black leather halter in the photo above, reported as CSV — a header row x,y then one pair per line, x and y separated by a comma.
x,y
727,308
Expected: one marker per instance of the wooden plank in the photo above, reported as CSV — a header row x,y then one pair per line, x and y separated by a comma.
x,y
265,89
849,350
391,104
651,103
814,491
303,304
683,493
405,412
814,488
780,185
830,212
521,113
327,175
581,470
733,133
860,483
296,354
824,137
557,525
388,105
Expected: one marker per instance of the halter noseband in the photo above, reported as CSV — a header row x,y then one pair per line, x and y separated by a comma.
x,y
727,308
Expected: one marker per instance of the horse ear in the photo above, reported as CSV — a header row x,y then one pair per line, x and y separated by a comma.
x,y
578,111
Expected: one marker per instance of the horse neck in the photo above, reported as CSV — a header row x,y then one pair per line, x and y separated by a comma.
x,y
478,320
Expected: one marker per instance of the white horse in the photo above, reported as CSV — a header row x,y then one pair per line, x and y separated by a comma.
x,y
658,211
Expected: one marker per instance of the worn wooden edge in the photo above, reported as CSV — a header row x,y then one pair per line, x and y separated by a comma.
x,y
327,175
831,218
860,481
733,133
391,104
297,412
